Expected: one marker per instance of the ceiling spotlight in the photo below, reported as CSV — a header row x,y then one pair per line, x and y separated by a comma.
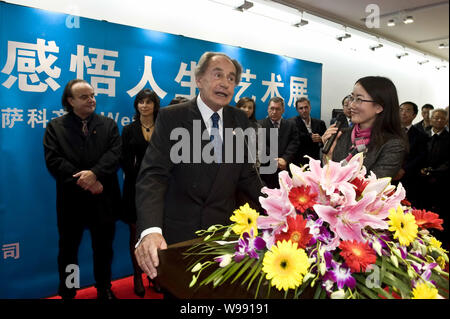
x,y
373,48
423,62
401,55
443,46
438,67
391,23
245,6
408,20
345,36
302,23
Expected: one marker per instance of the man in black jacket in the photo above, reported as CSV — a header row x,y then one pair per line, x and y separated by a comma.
x,y
82,151
409,174
178,195
288,142
310,132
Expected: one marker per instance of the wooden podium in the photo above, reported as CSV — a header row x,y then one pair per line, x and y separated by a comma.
x,y
174,279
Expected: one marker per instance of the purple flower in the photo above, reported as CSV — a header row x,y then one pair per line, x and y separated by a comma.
x,y
247,245
341,275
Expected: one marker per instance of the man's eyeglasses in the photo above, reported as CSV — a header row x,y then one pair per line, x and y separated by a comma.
x,y
357,100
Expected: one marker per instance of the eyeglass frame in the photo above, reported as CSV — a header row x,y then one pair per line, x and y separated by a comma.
x,y
357,100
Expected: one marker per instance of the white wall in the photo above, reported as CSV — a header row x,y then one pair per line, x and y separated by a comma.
x,y
206,20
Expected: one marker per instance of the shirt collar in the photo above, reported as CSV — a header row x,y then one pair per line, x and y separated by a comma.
x,y
206,112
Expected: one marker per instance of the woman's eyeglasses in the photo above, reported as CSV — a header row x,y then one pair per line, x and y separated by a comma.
x,y
357,100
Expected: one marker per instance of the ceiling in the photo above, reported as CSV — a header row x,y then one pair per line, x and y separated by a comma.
x,y
430,27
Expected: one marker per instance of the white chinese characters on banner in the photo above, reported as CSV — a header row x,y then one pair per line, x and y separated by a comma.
x,y
24,55
182,72
272,87
298,89
245,83
147,76
10,116
94,67
11,251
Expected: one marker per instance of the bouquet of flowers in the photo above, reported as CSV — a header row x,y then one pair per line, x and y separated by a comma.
x,y
330,231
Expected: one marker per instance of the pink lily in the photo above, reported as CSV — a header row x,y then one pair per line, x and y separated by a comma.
x,y
348,221
277,205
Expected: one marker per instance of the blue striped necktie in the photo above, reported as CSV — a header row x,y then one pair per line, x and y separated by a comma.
x,y
215,138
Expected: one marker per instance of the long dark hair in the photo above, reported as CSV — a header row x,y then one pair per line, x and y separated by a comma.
x,y
146,94
240,104
387,123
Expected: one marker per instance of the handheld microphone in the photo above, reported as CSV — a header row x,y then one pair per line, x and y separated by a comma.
x,y
330,141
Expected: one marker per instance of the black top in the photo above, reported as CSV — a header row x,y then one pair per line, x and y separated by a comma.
x,y
134,146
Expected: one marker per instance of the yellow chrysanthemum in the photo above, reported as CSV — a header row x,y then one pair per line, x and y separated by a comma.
x,y
285,265
441,262
245,219
435,243
403,225
424,291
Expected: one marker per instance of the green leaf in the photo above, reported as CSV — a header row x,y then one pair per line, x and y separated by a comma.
x,y
247,264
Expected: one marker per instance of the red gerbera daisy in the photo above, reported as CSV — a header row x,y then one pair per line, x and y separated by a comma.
x,y
297,232
302,198
358,256
426,219
360,185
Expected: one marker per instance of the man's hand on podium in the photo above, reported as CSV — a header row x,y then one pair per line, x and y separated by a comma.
x,y
147,253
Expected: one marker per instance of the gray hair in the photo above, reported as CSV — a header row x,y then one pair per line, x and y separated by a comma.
x,y
277,99
206,58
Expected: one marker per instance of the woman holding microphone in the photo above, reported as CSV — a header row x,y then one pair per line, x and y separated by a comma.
x,y
376,131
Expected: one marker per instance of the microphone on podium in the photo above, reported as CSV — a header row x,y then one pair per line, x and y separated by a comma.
x,y
340,122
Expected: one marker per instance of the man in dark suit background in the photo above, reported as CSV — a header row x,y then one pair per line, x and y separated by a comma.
x,y
176,198
346,112
288,142
409,174
425,125
310,132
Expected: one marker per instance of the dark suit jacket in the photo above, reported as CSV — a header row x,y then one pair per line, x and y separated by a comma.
x,y
438,154
307,146
134,146
288,144
417,156
67,152
182,198
420,127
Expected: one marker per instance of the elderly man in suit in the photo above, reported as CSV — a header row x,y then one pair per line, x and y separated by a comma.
x,y
288,142
409,174
310,131
176,198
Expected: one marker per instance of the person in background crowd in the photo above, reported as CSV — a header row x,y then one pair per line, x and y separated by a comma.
x,y
177,100
435,173
425,125
446,126
82,151
248,105
409,174
288,141
310,131
376,131
135,139
346,111
175,199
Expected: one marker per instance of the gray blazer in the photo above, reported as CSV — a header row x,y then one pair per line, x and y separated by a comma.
x,y
384,162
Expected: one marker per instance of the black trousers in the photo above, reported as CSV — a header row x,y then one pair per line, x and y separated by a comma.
x,y
71,225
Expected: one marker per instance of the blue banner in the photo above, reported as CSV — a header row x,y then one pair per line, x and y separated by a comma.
x,y
40,51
